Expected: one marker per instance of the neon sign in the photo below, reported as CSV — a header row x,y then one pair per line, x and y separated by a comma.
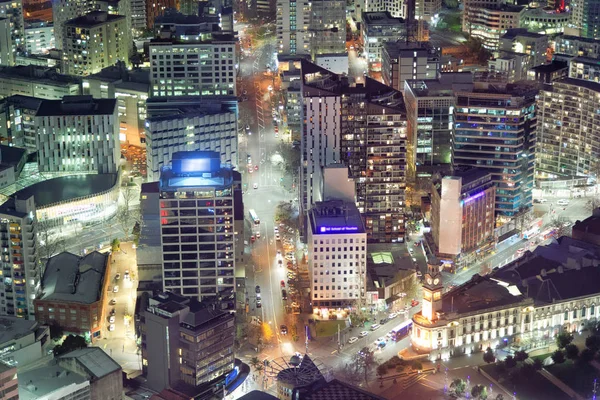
x,y
476,196
335,229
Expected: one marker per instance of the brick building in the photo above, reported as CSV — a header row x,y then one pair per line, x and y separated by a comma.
x,y
73,293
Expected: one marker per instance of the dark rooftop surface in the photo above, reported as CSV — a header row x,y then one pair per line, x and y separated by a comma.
x,y
77,105
94,18
513,33
335,216
555,65
335,389
257,395
589,225
67,188
469,175
11,156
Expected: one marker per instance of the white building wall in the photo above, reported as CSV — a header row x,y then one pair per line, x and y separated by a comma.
x,y
337,265
64,146
450,216
215,132
39,39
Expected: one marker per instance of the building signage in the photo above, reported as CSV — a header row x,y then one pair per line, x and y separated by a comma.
x,y
338,229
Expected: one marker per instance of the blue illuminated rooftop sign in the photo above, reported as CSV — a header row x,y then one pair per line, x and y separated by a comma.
x,y
338,229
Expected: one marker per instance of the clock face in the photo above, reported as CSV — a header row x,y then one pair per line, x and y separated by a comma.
x,y
429,280
436,281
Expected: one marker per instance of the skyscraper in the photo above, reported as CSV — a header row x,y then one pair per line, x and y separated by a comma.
x,y
198,199
495,128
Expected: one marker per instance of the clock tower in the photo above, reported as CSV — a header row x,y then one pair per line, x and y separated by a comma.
x,y
432,291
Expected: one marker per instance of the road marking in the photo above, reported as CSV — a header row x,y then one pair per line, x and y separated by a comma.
x,y
333,352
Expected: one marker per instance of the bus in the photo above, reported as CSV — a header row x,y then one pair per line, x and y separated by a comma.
x,y
401,330
254,217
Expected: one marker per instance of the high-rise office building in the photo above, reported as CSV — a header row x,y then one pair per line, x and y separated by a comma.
x,y
39,37
20,269
187,346
363,126
78,133
585,18
430,108
177,124
568,142
401,61
495,128
338,263
198,198
489,23
156,8
327,27
95,41
193,68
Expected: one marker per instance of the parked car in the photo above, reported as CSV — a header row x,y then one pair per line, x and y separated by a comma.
x,y
111,327
258,303
363,334
374,327
282,283
111,319
414,303
117,276
113,302
563,202
257,289
283,294
353,339
116,289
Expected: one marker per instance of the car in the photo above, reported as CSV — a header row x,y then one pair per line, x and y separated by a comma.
x,y
258,303
417,244
542,201
258,235
277,237
283,294
115,289
419,274
256,167
283,329
411,251
353,339
111,319
392,316
250,169
113,302
126,276
112,312
276,230
257,289
280,262
414,259
245,92
363,334
562,202
256,186
276,129
247,127
381,345
278,253
414,303
117,276
252,239
351,47
379,340
383,321
111,327
282,283
374,327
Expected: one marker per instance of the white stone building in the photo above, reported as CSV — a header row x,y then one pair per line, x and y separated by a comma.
x,y
78,133
337,248
522,305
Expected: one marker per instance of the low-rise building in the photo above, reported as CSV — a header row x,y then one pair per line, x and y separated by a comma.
x,y
73,292
462,216
22,342
39,37
588,230
522,41
521,306
388,281
338,256
195,336
490,23
377,29
36,81
131,88
577,46
17,122
9,384
12,161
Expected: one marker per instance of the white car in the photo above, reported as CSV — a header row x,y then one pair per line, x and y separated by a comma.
x,y
363,334
276,230
126,276
111,319
258,235
563,202
115,289
379,340
256,186
111,327
277,237
392,315
353,339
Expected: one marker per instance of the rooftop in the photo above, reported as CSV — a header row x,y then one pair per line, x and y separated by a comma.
x,y
335,217
554,66
469,175
381,18
336,389
395,49
563,37
257,395
77,105
44,381
195,169
12,328
28,102
94,18
516,32
595,86
67,188
74,279
589,225
94,360
445,86
11,156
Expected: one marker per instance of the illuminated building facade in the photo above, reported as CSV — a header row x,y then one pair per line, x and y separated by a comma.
x,y
495,128
95,41
190,123
462,216
293,19
523,305
20,269
576,46
522,41
7,57
377,29
567,138
39,37
13,10
401,61
188,346
64,146
430,109
338,255
193,68
197,197
490,23
66,10
37,81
